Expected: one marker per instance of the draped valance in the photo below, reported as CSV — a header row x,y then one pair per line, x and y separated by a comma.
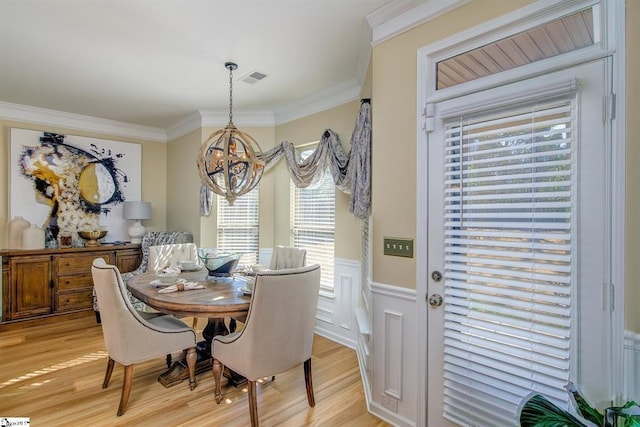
x,y
351,171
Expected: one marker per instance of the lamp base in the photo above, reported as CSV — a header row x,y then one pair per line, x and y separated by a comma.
x,y
136,232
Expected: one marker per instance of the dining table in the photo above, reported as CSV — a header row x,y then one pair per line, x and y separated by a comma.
x,y
220,298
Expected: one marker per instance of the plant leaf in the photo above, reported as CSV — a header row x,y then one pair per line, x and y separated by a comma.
x,y
539,412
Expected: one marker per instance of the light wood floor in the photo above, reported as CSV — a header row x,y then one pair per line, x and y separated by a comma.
x,y
53,375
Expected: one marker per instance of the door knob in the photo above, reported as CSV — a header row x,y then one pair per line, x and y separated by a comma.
x,y
435,300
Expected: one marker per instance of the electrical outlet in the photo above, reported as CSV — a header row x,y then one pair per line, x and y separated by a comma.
x,y
397,246
391,403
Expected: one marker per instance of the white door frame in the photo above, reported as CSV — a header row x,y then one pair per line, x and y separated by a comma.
x,y
612,44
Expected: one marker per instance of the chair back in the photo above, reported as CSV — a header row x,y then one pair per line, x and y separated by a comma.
x,y
278,333
162,256
128,337
287,257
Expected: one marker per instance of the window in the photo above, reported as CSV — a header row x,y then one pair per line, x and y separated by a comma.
x,y
313,224
239,226
567,34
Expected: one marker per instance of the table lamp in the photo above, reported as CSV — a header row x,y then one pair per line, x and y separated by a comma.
x,y
136,211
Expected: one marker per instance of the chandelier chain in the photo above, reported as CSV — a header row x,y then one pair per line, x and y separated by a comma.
x,y
230,94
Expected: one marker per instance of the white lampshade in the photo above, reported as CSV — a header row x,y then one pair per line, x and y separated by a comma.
x,y
136,211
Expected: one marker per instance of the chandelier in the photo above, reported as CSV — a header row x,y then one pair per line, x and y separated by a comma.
x,y
229,162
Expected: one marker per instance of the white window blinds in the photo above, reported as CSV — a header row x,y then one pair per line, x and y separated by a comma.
x,y
509,220
313,224
239,226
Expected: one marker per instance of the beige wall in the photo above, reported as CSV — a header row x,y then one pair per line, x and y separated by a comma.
x,y
394,131
153,177
341,120
632,270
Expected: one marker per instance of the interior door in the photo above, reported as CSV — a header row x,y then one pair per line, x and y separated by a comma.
x,y
517,238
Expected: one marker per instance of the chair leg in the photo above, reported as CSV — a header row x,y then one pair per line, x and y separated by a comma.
x,y
253,403
217,379
107,374
308,380
191,365
126,389
194,325
169,359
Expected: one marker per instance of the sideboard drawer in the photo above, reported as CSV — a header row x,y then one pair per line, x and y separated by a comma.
x,y
78,263
78,281
74,300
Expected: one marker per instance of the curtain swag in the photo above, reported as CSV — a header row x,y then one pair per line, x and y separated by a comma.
x,y
351,171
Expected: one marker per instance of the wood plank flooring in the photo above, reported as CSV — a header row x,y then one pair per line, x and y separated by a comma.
x,y
53,375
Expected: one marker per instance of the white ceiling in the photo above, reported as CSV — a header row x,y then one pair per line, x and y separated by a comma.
x,y
155,62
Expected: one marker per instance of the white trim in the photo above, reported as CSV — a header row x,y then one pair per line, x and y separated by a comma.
x,y
393,349
616,39
400,16
498,28
46,117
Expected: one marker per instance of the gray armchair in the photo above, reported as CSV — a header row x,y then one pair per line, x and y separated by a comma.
x,y
152,238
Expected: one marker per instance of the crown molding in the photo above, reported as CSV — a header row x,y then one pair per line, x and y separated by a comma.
x,y
319,101
43,116
402,15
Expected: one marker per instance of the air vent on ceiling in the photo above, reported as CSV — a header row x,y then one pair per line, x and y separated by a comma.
x,y
253,77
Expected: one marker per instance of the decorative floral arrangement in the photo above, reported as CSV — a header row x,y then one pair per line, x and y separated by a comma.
x,y
537,411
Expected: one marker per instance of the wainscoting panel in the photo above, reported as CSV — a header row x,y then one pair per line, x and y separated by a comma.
x,y
394,354
336,318
632,366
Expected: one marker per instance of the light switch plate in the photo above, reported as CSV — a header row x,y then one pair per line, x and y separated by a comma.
x,y
398,246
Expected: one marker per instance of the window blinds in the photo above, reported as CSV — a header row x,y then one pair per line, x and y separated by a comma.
x,y
313,225
239,226
509,222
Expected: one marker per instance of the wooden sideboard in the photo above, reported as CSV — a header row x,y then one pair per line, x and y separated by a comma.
x,y
52,283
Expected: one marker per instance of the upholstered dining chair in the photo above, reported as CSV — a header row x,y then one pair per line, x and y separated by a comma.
x,y
161,256
278,334
151,238
282,257
130,338
287,257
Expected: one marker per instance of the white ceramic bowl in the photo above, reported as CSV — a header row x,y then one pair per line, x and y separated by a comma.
x,y
188,264
169,277
257,267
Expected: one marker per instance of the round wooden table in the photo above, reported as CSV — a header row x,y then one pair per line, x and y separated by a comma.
x,y
220,298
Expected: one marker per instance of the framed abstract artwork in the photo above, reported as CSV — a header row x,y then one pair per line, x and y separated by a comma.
x,y
67,183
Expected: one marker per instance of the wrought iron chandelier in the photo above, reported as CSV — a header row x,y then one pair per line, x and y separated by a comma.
x,y
229,161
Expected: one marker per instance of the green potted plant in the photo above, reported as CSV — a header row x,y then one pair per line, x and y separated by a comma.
x,y
537,411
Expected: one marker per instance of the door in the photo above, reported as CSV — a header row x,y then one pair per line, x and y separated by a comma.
x,y
30,286
517,244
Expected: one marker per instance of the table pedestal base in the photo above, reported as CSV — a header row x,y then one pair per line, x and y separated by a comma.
x,y
178,370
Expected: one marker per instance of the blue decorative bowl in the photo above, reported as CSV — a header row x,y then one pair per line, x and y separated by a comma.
x,y
219,264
